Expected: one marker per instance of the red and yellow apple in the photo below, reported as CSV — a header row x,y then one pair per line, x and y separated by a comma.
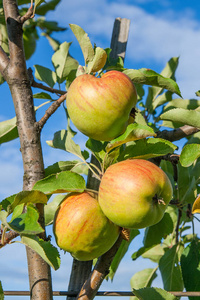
x,y
134,193
81,228
100,107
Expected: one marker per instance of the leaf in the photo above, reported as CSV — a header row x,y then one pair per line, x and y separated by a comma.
x,y
189,154
45,249
133,132
162,99
1,292
50,209
44,8
186,185
26,197
8,130
182,103
46,75
98,61
147,148
121,252
190,265
84,42
196,206
155,233
155,253
6,203
63,140
184,116
76,165
61,183
150,77
25,222
153,294
42,95
62,64
142,279
171,270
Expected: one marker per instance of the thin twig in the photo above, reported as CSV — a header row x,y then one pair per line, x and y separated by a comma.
x,y
54,106
8,237
178,133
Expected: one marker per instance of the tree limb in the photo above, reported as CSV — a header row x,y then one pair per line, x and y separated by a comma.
x,y
178,133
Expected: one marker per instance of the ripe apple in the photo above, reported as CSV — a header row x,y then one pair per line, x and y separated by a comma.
x,y
100,107
81,228
134,193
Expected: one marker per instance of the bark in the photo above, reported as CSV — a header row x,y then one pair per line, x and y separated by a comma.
x,y
15,73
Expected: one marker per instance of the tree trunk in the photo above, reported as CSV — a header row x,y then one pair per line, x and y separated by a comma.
x,y
15,73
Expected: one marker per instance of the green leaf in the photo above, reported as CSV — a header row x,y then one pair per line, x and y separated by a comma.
x,y
190,265
44,8
42,95
150,77
162,99
186,185
50,209
189,154
1,292
61,183
45,249
184,116
53,42
171,270
153,294
121,252
142,279
63,63
155,253
63,140
84,42
46,75
183,103
76,165
26,197
147,148
133,132
155,233
25,222
8,130
98,61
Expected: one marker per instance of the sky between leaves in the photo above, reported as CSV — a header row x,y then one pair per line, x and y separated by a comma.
x,y
159,30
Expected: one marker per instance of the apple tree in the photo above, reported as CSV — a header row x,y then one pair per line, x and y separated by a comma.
x,y
159,119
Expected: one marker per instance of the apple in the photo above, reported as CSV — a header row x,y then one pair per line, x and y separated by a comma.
x,y
100,107
81,228
134,193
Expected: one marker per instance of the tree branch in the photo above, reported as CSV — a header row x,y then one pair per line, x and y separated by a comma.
x,y
178,133
49,112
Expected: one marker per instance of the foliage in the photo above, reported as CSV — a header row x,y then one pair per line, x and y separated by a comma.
x,y
167,243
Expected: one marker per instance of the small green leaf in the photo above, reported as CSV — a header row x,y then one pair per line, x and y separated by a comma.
x,y
76,165
45,74
190,265
44,8
84,42
183,103
8,130
147,148
142,279
45,249
25,222
153,294
63,62
155,253
42,95
150,77
50,209
63,140
133,132
171,270
184,116
61,183
98,61
121,252
1,292
26,197
189,154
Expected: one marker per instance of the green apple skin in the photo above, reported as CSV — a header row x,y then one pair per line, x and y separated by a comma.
x,y
129,193
100,107
81,228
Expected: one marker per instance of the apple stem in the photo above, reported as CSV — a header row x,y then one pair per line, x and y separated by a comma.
x,y
159,200
125,233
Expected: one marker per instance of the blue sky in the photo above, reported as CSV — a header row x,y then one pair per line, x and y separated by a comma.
x,y
159,30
